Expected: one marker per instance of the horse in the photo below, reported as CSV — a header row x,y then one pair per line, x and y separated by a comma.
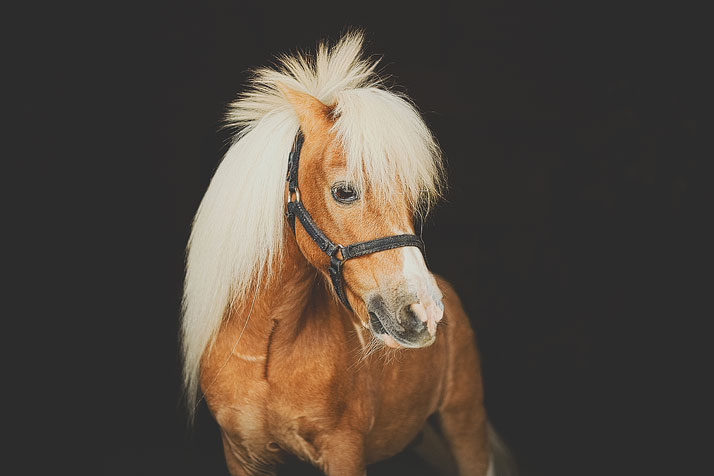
x,y
310,320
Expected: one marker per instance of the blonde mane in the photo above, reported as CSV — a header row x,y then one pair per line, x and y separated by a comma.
x,y
238,229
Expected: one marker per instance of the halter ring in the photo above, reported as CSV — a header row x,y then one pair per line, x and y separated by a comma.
x,y
297,195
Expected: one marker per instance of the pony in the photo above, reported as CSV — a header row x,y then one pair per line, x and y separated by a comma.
x,y
339,368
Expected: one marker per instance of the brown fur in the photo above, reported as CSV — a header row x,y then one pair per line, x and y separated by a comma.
x,y
300,380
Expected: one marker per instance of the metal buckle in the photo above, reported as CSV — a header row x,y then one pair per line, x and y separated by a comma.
x,y
335,262
297,195
341,249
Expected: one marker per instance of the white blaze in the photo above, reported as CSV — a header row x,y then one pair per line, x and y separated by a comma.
x,y
429,307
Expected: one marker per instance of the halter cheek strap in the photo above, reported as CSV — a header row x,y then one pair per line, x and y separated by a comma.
x,y
296,208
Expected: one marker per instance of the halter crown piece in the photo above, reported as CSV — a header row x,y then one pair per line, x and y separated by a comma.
x,y
295,208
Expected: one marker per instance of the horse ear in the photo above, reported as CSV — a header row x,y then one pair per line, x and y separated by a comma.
x,y
312,114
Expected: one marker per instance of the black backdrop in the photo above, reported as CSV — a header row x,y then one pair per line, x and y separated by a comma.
x,y
571,136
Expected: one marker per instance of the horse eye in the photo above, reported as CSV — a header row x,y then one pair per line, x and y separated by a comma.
x,y
343,192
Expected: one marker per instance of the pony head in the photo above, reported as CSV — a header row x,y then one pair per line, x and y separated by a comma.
x,y
392,292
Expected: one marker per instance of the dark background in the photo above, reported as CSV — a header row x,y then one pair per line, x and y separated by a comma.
x,y
572,134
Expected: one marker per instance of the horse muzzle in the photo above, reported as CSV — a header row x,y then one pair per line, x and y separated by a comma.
x,y
405,321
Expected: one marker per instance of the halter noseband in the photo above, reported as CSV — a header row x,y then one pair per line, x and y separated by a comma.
x,y
295,208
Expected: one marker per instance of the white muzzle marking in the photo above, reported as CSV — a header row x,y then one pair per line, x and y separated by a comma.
x,y
429,307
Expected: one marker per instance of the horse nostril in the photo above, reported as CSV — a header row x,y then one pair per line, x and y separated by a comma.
x,y
409,319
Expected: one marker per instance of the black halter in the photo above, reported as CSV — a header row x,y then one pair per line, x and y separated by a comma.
x,y
296,208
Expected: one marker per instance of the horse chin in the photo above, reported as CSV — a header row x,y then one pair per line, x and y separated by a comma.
x,y
389,341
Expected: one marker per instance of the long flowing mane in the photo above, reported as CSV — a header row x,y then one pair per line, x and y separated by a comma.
x,y
238,229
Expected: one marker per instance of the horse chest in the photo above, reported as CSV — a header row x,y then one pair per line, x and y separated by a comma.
x,y
280,405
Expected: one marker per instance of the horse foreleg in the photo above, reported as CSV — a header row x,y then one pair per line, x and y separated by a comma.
x,y
463,418
343,455
461,414
466,432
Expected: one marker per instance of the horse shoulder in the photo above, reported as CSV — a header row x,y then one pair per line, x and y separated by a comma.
x,y
463,377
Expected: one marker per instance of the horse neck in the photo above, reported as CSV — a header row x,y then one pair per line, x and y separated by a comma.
x,y
287,291
282,297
